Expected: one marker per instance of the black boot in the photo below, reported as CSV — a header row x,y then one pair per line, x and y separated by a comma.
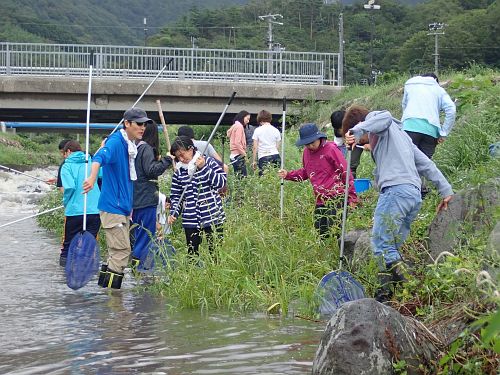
x,y
134,264
398,270
384,293
102,275
112,279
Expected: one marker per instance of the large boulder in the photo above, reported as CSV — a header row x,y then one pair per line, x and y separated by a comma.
x,y
469,208
357,245
365,337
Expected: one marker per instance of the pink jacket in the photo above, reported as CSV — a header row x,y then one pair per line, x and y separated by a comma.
x,y
237,139
325,168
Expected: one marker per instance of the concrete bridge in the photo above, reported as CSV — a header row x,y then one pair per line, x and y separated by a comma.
x,y
50,82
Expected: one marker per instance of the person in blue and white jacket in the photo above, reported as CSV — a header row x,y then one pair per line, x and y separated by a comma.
x,y
200,179
72,177
423,100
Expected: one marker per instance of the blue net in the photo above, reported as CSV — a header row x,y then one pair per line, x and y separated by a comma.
x,y
161,251
335,289
83,260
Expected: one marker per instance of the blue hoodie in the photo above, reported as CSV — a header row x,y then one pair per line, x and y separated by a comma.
x,y
424,99
72,176
117,187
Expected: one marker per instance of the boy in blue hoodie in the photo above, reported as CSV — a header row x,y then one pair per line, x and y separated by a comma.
x,y
72,177
117,159
399,165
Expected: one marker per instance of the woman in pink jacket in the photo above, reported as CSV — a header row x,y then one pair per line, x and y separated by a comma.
x,y
324,166
238,143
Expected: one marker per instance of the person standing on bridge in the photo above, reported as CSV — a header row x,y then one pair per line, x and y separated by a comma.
x,y
117,158
238,144
149,165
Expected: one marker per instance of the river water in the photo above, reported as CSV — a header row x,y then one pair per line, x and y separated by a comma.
x,y
47,328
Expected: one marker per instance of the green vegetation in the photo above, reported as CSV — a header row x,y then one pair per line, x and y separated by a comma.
x,y
264,260
26,149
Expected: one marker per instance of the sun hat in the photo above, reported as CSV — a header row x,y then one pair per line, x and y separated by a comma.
x,y
308,133
136,114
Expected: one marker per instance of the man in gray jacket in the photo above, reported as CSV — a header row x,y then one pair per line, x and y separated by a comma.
x,y
399,165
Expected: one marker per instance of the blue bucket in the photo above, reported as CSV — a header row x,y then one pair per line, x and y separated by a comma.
x,y
362,184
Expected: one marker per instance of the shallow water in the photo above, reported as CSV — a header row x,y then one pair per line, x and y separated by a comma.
x,y
47,328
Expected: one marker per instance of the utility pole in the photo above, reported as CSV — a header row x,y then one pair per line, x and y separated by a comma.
x,y
436,30
145,31
372,6
341,50
271,19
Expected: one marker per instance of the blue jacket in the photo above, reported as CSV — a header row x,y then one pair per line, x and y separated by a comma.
x,y
72,177
201,205
398,160
117,187
424,99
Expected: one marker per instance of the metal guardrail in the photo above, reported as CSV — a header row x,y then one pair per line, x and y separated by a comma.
x,y
198,64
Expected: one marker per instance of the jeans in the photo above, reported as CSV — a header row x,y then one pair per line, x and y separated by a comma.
x,y
239,166
396,209
268,160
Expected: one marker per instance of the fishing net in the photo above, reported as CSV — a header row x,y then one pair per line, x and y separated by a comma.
x,y
161,251
335,289
83,260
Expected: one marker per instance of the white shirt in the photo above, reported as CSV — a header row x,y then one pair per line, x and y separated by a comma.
x,y
267,137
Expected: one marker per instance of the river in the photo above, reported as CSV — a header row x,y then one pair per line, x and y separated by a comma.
x,y
47,328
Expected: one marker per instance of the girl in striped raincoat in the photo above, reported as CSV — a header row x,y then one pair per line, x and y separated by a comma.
x,y
201,204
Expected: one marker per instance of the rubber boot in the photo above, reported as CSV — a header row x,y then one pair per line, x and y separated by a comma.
x,y
112,279
398,270
102,275
134,264
384,293
62,260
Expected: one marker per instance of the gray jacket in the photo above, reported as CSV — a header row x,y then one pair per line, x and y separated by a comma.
x,y
398,160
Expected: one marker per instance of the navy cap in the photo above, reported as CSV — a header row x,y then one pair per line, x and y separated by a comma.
x,y
136,114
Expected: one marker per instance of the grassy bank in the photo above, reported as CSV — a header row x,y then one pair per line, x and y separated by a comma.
x,y
264,260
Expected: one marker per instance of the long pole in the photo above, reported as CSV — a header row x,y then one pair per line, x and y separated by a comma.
x,y
24,174
163,124
282,187
341,50
206,146
344,212
87,136
436,55
147,89
29,217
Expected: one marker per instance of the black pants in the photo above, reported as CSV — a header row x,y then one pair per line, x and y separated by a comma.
x,y
74,224
268,160
424,143
328,216
193,238
239,166
355,159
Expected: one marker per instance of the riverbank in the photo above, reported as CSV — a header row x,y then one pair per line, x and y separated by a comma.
x,y
264,260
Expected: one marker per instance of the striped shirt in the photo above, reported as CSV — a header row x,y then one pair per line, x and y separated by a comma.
x,y
201,205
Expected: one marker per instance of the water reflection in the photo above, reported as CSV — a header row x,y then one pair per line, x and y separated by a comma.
x,y
49,328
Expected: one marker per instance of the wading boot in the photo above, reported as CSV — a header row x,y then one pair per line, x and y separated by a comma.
x,y
398,270
111,279
384,293
62,260
102,275
134,265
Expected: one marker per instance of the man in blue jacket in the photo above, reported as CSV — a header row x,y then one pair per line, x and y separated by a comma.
x,y
115,203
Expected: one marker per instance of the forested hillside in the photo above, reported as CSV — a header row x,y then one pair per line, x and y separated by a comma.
x,y
91,21
400,32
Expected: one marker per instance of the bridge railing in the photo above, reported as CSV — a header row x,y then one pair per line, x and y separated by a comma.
x,y
188,63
